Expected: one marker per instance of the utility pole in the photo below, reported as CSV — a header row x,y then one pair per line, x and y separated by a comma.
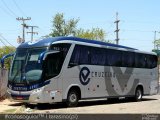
x,y
32,32
23,26
117,30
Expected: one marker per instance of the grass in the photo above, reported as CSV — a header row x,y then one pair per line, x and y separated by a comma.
x,y
15,110
20,109
10,111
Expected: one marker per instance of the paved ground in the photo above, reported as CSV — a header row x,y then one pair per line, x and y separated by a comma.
x,y
149,104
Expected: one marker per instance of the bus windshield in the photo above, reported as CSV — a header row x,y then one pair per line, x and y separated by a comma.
x,y
25,67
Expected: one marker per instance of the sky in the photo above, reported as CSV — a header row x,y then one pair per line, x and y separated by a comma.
x,y
138,19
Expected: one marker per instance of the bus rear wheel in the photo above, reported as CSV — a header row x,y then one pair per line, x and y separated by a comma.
x,y
138,94
72,98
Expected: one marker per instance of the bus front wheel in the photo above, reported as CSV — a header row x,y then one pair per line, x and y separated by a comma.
x,y
72,98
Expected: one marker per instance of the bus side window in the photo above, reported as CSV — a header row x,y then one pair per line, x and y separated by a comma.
x,y
149,61
128,59
154,60
80,56
62,47
53,65
98,56
75,57
84,55
114,58
140,60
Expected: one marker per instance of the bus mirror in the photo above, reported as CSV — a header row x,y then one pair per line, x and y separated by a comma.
x,y
40,58
43,55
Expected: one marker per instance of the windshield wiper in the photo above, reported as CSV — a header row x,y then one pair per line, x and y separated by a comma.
x,y
24,79
22,76
16,75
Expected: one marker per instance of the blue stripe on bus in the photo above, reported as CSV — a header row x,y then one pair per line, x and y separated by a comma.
x,y
49,41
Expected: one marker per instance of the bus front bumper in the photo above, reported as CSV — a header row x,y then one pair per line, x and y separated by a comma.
x,y
35,96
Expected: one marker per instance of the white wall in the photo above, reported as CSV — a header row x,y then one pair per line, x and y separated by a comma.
x,y
3,81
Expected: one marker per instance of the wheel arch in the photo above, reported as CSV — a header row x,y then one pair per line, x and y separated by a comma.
x,y
71,87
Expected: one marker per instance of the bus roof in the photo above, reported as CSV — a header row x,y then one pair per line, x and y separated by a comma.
x,y
49,41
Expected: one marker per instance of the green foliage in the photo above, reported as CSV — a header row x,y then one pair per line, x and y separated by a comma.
x,y
156,51
158,54
157,43
4,51
61,27
93,34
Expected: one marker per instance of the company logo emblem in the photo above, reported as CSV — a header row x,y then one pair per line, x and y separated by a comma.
x,y
84,76
32,42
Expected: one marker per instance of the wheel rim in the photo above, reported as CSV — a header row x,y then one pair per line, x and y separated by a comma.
x,y
73,98
139,94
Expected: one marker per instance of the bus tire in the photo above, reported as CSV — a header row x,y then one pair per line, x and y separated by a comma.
x,y
138,94
72,98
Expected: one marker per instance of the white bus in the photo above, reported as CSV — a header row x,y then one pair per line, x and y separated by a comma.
x,y
69,69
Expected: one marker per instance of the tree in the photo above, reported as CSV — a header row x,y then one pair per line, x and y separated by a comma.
x,y
62,27
4,51
157,43
93,34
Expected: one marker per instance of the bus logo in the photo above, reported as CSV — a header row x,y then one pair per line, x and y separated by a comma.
x,y
31,43
84,76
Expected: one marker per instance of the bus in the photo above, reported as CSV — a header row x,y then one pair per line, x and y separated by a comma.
x,y
70,69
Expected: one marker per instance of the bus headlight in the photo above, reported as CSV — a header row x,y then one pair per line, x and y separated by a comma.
x,y
37,90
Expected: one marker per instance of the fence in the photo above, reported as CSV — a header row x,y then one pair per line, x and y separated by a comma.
x,y
3,82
